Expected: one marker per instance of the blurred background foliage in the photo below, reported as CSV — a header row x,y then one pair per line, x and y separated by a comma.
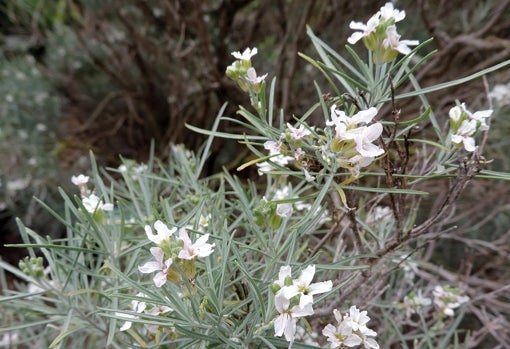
x,y
112,76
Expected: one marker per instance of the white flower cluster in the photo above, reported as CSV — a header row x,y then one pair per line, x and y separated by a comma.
x,y
171,251
350,330
380,34
448,298
242,72
354,137
294,299
464,125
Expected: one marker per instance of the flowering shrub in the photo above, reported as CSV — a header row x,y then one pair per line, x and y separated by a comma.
x,y
338,202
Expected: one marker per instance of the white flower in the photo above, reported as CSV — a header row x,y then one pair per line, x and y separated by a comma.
x,y
364,29
252,78
357,321
299,153
284,210
303,287
162,232
341,334
203,222
414,301
80,179
308,176
456,112
380,214
393,41
481,116
361,117
93,203
286,322
274,147
246,55
142,307
199,249
285,272
501,93
388,12
363,137
160,265
464,135
137,306
279,159
355,163
298,133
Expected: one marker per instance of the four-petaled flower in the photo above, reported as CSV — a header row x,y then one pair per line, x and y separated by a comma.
x,y
303,286
341,334
299,132
393,41
162,232
246,55
286,322
364,29
389,12
160,265
198,249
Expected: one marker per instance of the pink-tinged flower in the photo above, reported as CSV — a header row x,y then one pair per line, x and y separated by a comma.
x,y
198,249
298,133
162,232
389,12
340,335
80,179
160,265
464,135
246,55
393,41
364,29
274,147
303,286
285,323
